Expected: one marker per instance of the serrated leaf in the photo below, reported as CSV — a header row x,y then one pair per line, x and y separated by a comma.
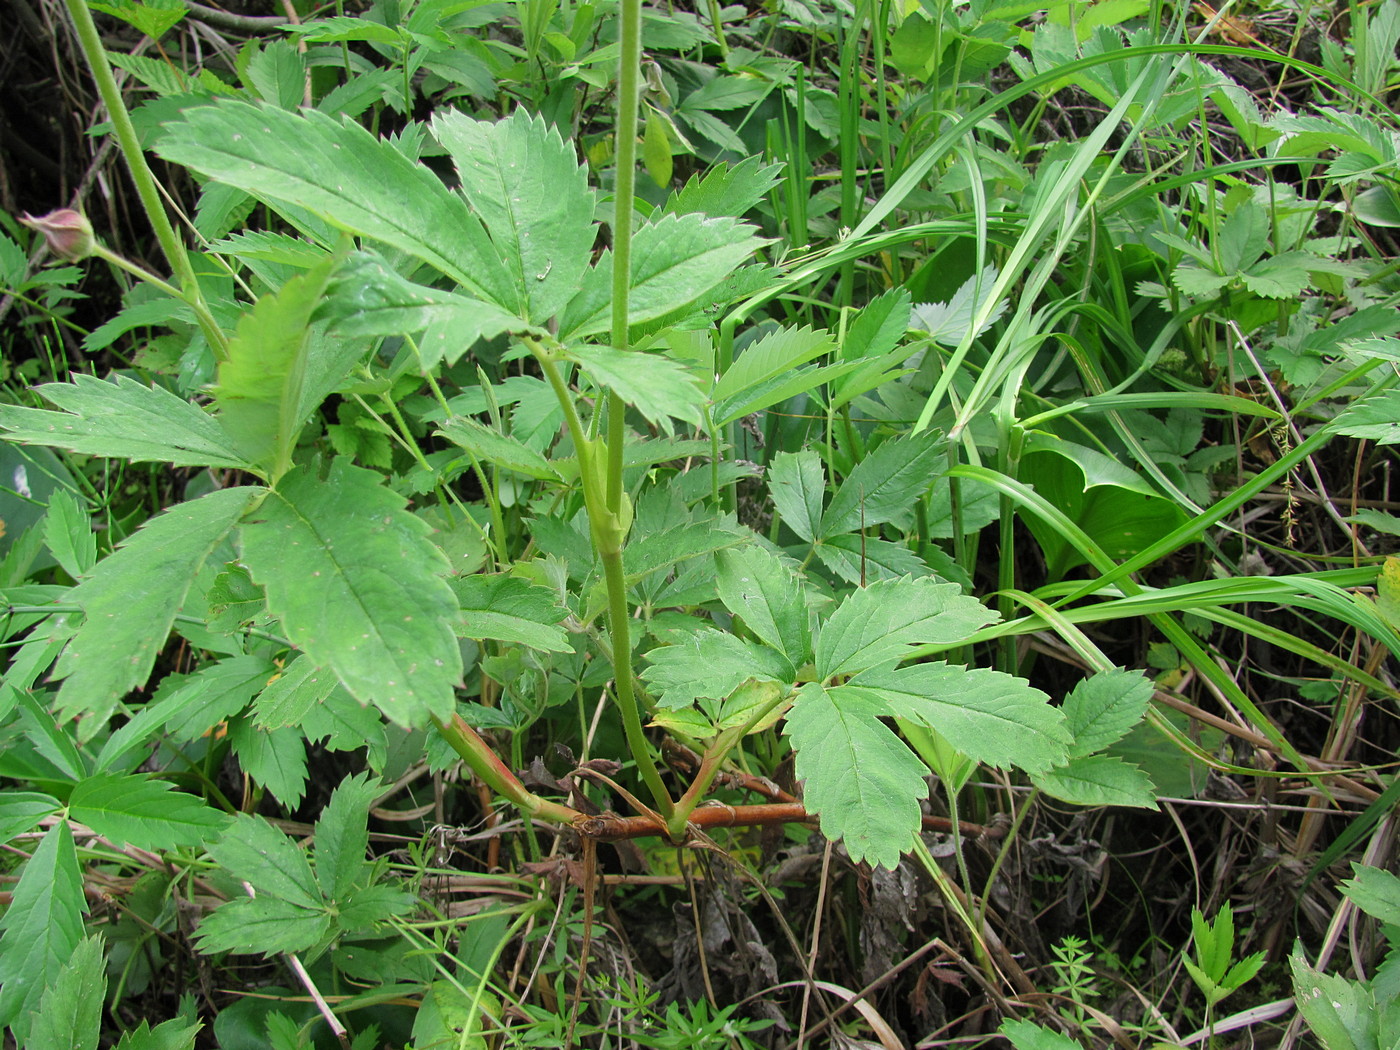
x,y
1098,780
175,1034
367,907
1282,276
1103,709
1198,282
291,694
68,534
1338,1011
490,446
948,323
726,190
21,811
511,610
857,775
42,926
255,852
1026,1035
192,705
131,599
346,726
70,1011
652,551
675,260
358,587
261,924
776,353
260,391
123,420
367,298
657,387
878,327
797,483
1375,418
712,664
1374,891
779,388
884,484
528,187
876,624
861,561
338,171
986,715
342,835
273,758
143,812
764,591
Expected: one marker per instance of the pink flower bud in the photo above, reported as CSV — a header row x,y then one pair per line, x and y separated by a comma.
x,y
67,232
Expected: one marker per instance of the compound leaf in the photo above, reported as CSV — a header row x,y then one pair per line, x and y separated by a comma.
x,y
255,852
1103,708
70,1011
712,664
674,261
274,758
797,482
655,386
342,835
261,924
358,586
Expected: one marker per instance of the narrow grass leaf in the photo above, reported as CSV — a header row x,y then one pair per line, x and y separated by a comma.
x,y
358,585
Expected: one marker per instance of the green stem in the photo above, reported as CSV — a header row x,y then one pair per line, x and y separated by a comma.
x,y
141,176
487,765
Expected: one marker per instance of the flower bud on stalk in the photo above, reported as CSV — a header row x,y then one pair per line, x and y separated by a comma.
x,y
68,233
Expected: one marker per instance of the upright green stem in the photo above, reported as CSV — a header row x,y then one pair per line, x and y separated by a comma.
x,y
141,176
